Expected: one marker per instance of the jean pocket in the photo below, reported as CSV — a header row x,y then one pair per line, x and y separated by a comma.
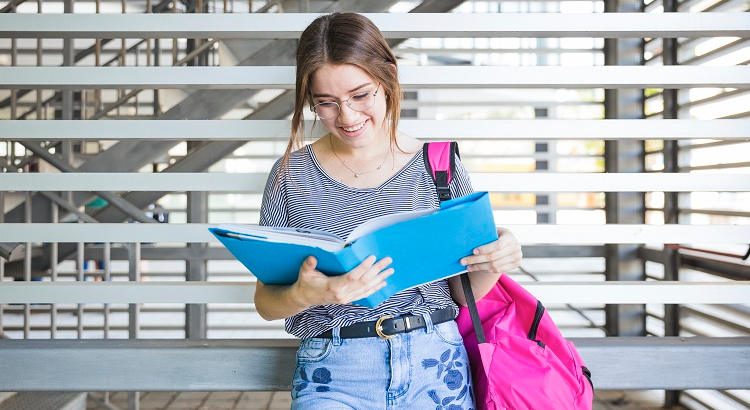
x,y
448,332
313,349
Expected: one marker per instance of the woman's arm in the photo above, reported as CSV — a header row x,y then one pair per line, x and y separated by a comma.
x,y
486,265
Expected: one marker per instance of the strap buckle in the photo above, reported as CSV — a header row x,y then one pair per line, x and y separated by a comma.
x,y
379,328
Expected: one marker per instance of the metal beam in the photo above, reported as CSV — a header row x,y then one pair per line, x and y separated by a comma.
x,y
624,292
482,181
622,262
527,234
410,77
250,365
278,130
392,25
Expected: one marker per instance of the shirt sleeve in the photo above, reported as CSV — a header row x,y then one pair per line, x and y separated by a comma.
x,y
273,208
460,184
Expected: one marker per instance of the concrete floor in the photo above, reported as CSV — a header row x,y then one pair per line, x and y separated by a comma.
x,y
605,400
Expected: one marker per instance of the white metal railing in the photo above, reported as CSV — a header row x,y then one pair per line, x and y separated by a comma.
x,y
392,25
242,292
410,77
526,234
278,130
481,181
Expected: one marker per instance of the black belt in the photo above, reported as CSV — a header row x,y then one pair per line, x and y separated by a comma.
x,y
388,327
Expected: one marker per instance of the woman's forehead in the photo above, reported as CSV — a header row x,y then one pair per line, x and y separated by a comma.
x,y
338,79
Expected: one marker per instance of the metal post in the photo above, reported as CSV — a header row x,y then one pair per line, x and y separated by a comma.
x,y
622,262
195,314
107,277
671,199
53,272
2,260
79,278
38,104
133,310
27,270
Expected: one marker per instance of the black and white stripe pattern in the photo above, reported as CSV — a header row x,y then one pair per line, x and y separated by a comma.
x,y
309,198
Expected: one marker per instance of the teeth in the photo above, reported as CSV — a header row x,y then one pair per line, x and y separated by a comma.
x,y
355,128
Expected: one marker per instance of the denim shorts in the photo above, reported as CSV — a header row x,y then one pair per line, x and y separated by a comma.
x,y
426,368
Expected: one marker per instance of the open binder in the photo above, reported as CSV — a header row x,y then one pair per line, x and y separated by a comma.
x,y
425,245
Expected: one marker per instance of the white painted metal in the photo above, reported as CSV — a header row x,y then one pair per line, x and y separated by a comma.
x,y
242,292
392,25
410,77
495,182
526,234
427,129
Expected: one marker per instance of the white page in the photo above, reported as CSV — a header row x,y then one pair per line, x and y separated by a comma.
x,y
310,237
374,224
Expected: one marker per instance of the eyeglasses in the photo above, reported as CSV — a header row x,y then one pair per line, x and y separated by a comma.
x,y
358,102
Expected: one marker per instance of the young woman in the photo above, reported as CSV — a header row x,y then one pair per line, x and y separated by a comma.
x,y
363,168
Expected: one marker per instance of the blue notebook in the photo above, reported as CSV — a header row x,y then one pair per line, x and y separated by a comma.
x,y
425,245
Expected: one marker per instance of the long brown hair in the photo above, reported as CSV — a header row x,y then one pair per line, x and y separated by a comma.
x,y
342,38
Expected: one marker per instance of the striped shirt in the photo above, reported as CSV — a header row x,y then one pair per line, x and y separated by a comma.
x,y
309,198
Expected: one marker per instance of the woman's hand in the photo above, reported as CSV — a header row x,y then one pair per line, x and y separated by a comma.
x,y
316,288
496,257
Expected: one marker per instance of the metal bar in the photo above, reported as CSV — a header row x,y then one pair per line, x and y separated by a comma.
x,y
611,292
107,278
158,365
392,25
482,181
716,166
27,267
411,77
744,214
278,130
79,278
527,234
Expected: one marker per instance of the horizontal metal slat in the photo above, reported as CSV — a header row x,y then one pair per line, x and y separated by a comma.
x,y
392,25
282,77
242,292
494,182
428,129
526,234
168,365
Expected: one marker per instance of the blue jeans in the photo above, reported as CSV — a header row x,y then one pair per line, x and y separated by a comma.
x,y
424,369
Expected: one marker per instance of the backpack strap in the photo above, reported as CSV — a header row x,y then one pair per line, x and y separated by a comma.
x,y
440,161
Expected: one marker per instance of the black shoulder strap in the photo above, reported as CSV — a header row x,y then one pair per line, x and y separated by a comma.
x,y
440,178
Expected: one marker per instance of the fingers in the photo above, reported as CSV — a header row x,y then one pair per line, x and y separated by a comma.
x,y
373,286
365,279
499,256
366,266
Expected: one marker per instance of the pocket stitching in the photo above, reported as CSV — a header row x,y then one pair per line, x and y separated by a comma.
x,y
319,358
440,334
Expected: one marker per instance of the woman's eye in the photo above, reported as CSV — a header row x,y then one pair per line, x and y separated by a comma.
x,y
326,104
361,96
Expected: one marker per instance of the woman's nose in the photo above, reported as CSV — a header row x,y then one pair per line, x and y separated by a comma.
x,y
347,113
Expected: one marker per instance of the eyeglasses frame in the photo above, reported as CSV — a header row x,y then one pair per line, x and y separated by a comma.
x,y
348,104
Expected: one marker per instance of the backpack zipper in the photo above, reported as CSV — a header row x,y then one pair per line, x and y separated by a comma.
x,y
535,324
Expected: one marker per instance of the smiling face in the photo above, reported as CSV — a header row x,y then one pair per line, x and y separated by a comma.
x,y
339,82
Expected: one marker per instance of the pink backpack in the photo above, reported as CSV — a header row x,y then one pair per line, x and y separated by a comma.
x,y
518,357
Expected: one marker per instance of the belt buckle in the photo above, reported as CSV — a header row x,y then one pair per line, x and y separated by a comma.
x,y
379,328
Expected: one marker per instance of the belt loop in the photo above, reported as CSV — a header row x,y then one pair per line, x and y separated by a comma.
x,y
428,326
336,335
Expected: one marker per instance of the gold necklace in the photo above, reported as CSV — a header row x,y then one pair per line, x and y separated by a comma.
x,y
356,174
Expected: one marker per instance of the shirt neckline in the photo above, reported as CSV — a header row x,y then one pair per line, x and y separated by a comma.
x,y
314,158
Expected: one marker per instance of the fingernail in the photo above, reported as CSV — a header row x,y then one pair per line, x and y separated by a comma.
x,y
463,262
476,251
